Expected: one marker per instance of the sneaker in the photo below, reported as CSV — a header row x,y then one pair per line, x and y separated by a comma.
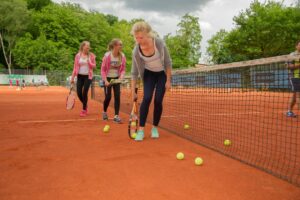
x,y
117,119
83,113
154,133
290,114
139,136
104,116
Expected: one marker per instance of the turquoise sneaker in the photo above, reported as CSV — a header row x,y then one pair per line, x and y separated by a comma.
x,y
290,114
139,136
154,133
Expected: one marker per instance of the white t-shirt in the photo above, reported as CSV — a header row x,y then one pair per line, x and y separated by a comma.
x,y
83,66
295,73
153,63
115,64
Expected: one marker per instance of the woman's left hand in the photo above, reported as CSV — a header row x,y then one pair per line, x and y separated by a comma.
x,y
168,85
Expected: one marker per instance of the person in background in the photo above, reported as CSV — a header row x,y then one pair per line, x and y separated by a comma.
x,y
113,67
294,67
23,83
84,63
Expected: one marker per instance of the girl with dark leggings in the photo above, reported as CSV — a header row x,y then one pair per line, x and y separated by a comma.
x,y
113,67
84,64
151,62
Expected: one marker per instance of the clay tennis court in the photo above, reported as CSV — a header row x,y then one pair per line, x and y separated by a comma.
x,y
47,152
254,121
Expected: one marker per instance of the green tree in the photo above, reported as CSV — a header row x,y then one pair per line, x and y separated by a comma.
x,y
2,68
263,30
122,30
59,24
111,19
184,47
189,31
14,18
178,50
41,54
98,32
266,29
68,25
37,4
218,48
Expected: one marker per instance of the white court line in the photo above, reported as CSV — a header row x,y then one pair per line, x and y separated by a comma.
x,y
228,114
213,114
54,121
164,116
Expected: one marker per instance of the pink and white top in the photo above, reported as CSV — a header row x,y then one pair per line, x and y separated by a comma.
x,y
91,65
107,64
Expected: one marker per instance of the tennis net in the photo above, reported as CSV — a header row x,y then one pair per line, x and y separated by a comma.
x,y
244,102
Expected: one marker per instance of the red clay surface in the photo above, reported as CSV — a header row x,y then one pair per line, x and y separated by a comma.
x,y
255,122
47,152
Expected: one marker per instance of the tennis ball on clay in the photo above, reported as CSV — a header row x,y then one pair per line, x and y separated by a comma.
x,y
106,129
133,135
227,142
198,161
186,126
180,156
133,123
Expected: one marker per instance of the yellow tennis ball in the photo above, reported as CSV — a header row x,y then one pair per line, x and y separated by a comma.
x,y
180,156
198,161
227,142
133,135
106,129
186,126
133,123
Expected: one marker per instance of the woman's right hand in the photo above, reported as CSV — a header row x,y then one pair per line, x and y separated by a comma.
x,y
134,96
106,83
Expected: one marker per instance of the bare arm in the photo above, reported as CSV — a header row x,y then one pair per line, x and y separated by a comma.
x,y
133,86
168,82
92,62
168,72
293,66
74,70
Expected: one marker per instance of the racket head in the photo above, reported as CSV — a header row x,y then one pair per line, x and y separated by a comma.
x,y
133,121
113,81
117,81
70,102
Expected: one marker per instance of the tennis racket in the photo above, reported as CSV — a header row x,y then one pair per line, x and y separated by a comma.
x,y
133,119
70,103
117,81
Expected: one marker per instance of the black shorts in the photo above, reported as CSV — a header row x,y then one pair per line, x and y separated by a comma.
x,y
295,83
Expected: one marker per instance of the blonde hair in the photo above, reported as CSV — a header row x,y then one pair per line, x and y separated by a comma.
x,y
111,46
82,44
113,43
142,26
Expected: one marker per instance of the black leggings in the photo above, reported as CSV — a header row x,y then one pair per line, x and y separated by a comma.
x,y
107,92
83,85
157,81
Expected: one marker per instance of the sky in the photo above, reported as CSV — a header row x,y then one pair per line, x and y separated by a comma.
x,y
164,15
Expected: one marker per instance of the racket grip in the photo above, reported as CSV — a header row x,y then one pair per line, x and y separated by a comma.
x,y
135,95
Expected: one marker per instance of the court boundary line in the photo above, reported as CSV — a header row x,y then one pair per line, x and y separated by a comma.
x,y
55,121
213,114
